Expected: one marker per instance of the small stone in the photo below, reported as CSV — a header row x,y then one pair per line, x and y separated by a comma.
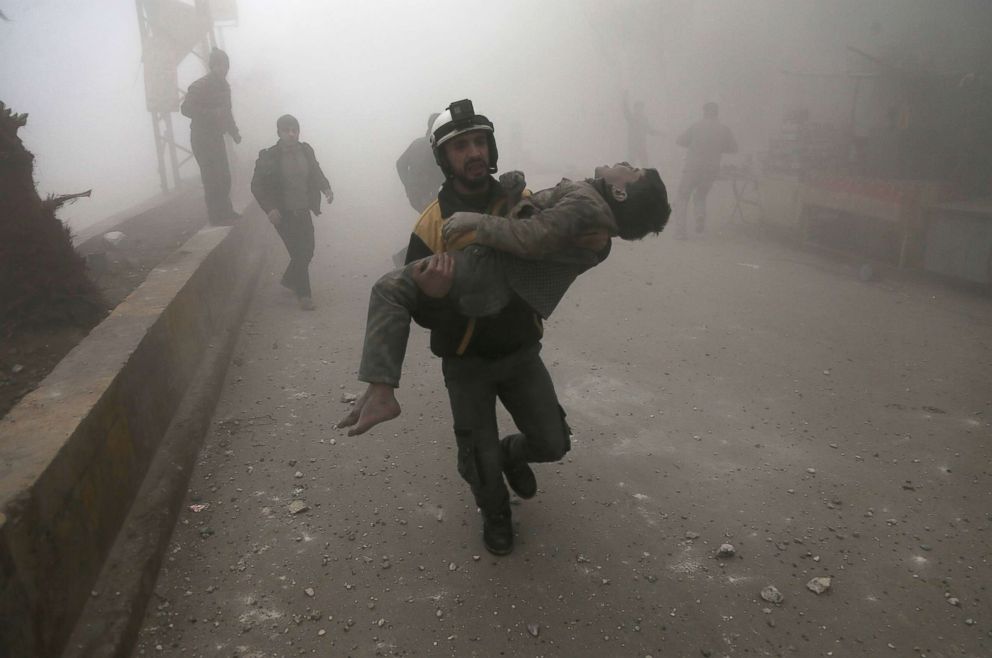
x,y
348,398
17,367
297,475
953,600
333,442
772,595
297,507
452,566
819,585
476,557
969,621
309,592
811,471
726,550
691,535
321,632
534,629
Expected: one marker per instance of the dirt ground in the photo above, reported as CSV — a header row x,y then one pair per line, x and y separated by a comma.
x,y
27,357
724,390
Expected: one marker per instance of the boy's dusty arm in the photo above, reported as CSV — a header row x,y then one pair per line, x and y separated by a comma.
x,y
580,218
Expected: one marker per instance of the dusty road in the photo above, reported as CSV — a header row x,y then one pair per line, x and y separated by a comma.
x,y
723,390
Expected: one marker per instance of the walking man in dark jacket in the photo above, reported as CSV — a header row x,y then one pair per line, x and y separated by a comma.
x,y
287,184
705,142
208,105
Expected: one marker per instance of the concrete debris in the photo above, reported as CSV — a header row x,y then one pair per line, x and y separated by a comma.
x,y
298,506
819,585
772,595
114,238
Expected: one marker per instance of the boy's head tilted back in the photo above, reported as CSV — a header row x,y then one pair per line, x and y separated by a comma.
x,y
638,198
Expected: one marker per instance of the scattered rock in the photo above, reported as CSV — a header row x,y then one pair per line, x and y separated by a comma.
x,y
309,592
772,595
726,550
956,602
114,238
298,475
349,398
298,506
534,629
819,585
691,535
17,367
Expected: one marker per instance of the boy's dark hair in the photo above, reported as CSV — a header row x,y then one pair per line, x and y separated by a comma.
x,y
646,208
287,121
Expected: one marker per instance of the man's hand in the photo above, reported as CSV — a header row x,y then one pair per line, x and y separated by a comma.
x,y
459,224
275,216
513,183
435,275
329,196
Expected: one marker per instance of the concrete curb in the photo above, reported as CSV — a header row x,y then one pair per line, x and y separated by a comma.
x,y
133,398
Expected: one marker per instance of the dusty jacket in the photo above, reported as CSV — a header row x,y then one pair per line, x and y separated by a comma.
x,y
266,182
208,105
706,140
515,327
537,252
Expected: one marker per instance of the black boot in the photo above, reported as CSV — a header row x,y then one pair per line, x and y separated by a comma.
x,y
519,474
497,532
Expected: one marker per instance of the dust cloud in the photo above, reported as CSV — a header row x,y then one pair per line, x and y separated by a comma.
x,y
363,77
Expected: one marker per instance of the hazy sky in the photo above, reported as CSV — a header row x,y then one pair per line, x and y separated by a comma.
x,y
363,77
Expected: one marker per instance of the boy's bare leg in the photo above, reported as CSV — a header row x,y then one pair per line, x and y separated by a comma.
x,y
377,405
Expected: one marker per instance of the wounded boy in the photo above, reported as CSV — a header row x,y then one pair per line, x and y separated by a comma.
x,y
536,253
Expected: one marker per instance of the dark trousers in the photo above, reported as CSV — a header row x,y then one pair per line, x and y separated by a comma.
x,y
211,155
296,230
522,383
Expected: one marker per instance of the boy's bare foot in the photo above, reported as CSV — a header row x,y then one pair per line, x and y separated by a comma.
x,y
377,405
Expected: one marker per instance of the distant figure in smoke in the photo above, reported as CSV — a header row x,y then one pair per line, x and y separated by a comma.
x,y
706,141
418,172
208,105
638,130
287,184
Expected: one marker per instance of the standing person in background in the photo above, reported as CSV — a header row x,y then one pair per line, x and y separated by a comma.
x,y
705,142
418,172
287,184
638,130
208,105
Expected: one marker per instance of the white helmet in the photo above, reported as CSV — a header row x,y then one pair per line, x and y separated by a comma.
x,y
458,119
